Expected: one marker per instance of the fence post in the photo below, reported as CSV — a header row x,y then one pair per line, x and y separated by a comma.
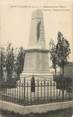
x,y
62,94
44,90
63,86
37,91
24,89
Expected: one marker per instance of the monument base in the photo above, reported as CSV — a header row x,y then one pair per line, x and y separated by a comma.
x,y
37,76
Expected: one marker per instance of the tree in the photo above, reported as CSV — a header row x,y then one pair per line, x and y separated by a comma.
x,y
53,54
2,63
19,62
9,62
59,56
62,51
59,52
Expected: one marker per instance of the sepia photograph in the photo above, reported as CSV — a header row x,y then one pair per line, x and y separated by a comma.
x,y
36,58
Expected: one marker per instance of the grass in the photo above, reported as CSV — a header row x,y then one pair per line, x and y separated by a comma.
x,y
59,113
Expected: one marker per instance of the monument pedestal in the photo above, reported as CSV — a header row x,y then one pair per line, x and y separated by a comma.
x,y
36,63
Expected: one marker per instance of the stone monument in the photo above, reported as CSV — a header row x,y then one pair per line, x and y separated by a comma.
x,y
36,56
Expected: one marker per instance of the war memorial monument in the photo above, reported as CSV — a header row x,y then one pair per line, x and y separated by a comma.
x,y
36,56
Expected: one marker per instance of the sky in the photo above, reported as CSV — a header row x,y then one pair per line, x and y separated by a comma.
x,y
15,21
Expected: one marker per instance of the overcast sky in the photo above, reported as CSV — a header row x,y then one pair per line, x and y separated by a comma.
x,y
15,21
